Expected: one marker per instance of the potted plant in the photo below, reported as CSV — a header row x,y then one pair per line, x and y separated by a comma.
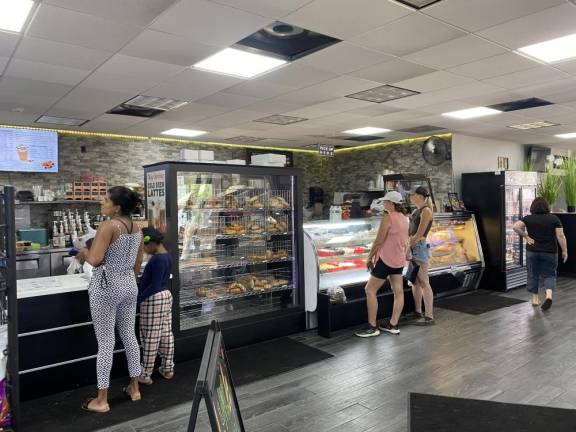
x,y
549,187
570,183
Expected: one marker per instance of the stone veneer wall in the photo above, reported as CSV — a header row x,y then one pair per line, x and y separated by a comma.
x,y
121,162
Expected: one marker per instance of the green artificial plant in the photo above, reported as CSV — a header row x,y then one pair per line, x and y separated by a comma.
x,y
570,181
549,187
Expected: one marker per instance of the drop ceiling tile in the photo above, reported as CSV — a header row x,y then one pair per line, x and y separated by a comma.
x,y
328,108
152,127
539,27
568,66
558,91
494,66
456,52
528,77
392,71
474,15
193,112
343,58
345,19
45,72
374,110
118,83
88,103
192,84
209,23
231,118
268,8
75,28
29,94
258,89
3,63
273,106
550,112
60,54
296,76
446,107
8,42
112,123
409,34
136,12
168,48
228,100
496,97
434,81
17,118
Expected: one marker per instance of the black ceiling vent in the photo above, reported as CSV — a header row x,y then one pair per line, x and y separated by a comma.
x,y
128,110
421,129
364,138
520,104
418,4
287,41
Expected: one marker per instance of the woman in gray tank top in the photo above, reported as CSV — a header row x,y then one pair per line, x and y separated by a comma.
x,y
420,224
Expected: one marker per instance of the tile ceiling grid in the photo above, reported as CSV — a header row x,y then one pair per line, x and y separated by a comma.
x,y
148,48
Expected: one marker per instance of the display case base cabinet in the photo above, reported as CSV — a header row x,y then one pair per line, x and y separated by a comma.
x,y
568,269
58,346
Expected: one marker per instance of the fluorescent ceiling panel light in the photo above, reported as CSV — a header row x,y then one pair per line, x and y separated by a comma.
x,y
471,113
552,51
566,135
369,130
14,13
190,133
239,63
60,120
534,125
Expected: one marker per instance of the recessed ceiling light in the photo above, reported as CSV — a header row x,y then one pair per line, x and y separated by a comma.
x,y
280,119
61,120
566,135
14,14
385,93
369,130
472,113
534,125
239,63
190,133
555,50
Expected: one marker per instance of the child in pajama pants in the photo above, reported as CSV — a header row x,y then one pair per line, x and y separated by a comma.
x,y
155,301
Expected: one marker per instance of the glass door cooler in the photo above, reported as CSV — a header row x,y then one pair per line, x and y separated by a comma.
x,y
499,199
235,238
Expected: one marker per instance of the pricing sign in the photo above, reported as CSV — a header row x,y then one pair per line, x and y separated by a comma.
x,y
326,150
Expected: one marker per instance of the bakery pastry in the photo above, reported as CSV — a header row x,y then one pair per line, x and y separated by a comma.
x,y
277,202
201,292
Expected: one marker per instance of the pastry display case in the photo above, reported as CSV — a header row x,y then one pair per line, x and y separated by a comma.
x,y
336,255
234,235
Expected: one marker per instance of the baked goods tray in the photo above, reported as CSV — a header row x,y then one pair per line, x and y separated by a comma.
x,y
191,300
231,264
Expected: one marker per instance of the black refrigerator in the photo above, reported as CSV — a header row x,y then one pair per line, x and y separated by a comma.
x,y
499,199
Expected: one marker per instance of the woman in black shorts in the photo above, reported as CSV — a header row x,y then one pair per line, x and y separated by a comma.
x,y
387,260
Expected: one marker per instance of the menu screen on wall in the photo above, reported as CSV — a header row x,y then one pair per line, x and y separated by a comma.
x,y
23,150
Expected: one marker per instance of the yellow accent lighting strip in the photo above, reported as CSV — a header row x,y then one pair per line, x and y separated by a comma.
x,y
388,143
159,139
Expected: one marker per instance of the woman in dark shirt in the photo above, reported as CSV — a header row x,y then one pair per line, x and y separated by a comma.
x,y
155,301
542,232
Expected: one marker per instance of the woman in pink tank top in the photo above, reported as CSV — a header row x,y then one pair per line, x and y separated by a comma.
x,y
386,261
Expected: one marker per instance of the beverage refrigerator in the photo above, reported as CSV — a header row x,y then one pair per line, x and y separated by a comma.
x,y
499,199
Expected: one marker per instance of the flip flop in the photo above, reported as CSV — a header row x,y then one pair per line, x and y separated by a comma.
x,y
166,375
85,407
133,398
145,381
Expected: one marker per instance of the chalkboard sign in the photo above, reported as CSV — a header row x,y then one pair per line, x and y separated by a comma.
x,y
215,385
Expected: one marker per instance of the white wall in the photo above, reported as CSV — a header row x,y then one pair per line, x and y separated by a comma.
x,y
473,154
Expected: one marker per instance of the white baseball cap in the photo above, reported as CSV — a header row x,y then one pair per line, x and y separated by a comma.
x,y
394,197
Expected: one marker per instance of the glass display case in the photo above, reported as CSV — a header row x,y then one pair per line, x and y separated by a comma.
x,y
234,235
337,253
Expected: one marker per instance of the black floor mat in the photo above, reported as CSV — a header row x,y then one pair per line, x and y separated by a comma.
x,y
446,414
477,303
62,412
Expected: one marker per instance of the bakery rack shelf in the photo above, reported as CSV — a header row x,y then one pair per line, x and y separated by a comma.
x,y
190,300
233,264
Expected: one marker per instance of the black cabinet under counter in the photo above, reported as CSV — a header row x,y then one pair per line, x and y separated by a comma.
x,y
569,223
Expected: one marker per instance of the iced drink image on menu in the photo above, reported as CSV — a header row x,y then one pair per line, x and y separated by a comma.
x,y
22,153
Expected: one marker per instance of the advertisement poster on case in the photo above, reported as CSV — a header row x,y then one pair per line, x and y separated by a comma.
x,y
156,200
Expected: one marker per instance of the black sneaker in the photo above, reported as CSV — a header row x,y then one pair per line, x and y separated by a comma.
x,y
547,304
368,331
387,327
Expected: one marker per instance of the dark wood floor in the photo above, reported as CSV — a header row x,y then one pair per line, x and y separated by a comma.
x,y
516,354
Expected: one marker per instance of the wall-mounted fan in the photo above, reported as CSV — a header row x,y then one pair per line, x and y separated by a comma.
x,y
436,151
